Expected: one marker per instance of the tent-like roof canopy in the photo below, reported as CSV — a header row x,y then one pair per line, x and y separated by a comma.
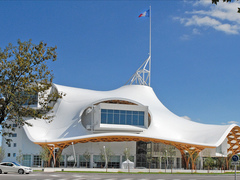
x,y
165,126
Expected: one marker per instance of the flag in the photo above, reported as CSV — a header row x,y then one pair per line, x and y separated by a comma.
x,y
144,14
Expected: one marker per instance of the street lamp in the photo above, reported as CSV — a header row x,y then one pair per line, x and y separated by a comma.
x,y
105,154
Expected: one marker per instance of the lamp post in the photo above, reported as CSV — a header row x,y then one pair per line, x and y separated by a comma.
x,y
105,154
127,156
54,156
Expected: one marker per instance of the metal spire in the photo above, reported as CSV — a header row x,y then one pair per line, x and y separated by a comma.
x,y
143,75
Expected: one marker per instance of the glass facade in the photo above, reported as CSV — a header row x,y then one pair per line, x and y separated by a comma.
x,y
70,161
62,160
113,161
26,160
83,161
110,116
30,99
37,160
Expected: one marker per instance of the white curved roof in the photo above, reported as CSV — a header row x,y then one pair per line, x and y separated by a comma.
x,y
165,125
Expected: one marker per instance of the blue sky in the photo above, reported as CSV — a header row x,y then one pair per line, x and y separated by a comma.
x,y
195,48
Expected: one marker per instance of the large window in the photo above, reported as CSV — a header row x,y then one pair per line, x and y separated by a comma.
x,y
26,160
110,116
84,161
70,161
37,160
62,161
113,161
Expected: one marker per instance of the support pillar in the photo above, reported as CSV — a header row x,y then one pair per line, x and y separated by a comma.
x,y
120,161
32,160
91,160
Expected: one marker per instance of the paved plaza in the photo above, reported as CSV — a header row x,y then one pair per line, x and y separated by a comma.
x,y
112,176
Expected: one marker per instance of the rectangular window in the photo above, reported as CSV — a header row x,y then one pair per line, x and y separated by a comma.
x,y
116,118
9,155
9,145
37,160
141,120
98,161
135,119
84,161
129,119
14,154
14,135
14,144
26,160
70,161
122,117
103,118
62,160
109,116
29,99
14,125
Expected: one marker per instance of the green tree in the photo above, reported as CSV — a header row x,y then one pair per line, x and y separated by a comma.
x,y
216,1
86,156
171,152
221,163
2,154
126,153
105,154
209,163
24,80
20,157
45,155
164,156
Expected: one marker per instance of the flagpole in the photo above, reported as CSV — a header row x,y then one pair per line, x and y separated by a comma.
x,y
150,39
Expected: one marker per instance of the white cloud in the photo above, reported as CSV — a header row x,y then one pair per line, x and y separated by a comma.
x,y
196,31
232,122
221,17
187,118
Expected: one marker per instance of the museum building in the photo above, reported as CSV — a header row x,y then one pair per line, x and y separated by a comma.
x,y
129,120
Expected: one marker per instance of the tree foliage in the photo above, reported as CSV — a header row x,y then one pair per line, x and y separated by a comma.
x,y
24,80
2,154
216,1
105,154
87,156
45,155
20,157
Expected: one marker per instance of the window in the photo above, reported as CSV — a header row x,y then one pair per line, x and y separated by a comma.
x,y
14,125
14,135
114,162
84,161
9,155
14,154
70,161
9,144
98,161
36,160
62,161
109,116
14,144
26,160
30,98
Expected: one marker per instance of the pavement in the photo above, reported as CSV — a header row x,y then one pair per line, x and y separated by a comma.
x,y
130,170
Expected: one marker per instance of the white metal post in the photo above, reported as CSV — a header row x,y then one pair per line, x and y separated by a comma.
x,y
54,156
105,157
74,154
150,43
235,172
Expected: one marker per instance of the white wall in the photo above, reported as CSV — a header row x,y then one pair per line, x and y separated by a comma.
x,y
22,143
